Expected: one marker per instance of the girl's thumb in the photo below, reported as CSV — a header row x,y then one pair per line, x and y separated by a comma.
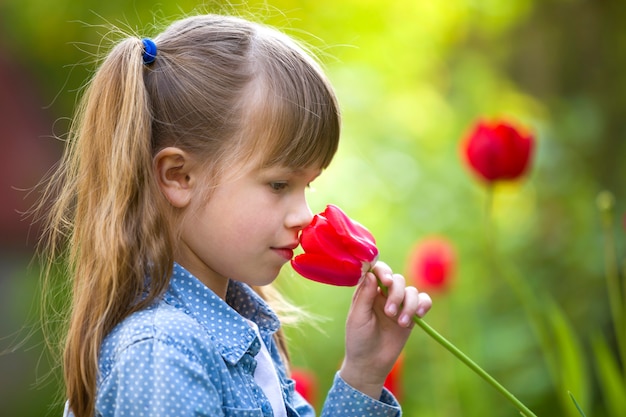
x,y
366,292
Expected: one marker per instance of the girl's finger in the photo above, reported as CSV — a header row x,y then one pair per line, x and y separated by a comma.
x,y
395,295
365,294
425,303
410,306
383,272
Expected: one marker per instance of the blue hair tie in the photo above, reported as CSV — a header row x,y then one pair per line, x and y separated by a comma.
x,y
149,51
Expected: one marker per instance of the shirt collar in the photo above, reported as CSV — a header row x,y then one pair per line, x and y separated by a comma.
x,y
223,320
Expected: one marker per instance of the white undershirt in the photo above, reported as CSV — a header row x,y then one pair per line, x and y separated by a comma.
x,y
266,377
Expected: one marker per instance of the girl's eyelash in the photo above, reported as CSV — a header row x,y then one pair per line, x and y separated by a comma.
x,y
278,186
282,185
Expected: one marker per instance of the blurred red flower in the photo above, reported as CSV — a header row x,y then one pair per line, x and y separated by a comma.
x,y
431,264
497,150
394,380
306,384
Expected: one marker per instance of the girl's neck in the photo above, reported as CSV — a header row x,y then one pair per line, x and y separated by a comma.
x,y
217,284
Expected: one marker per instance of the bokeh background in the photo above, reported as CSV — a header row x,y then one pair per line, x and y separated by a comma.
x,y
412,76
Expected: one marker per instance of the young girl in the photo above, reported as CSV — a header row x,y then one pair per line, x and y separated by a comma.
x,y
179,198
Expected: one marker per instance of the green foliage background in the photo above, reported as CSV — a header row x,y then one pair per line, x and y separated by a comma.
x,y
411,76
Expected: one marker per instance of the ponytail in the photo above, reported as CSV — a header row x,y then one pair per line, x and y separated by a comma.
x,y
105,216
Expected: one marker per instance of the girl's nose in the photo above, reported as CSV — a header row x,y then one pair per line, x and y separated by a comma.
x,y
300,216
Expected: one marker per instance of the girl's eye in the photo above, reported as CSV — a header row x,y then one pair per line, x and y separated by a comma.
x,y
278,186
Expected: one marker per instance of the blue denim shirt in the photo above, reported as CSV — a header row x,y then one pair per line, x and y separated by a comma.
x,y
193,354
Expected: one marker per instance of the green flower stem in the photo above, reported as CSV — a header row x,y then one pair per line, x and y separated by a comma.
x,y
472,365
467,361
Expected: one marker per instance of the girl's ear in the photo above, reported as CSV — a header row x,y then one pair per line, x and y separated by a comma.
x,y
176,175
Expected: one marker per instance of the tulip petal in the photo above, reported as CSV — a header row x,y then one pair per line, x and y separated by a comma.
x,y
328,270
320,237
482,151
517,149
357,239
498,150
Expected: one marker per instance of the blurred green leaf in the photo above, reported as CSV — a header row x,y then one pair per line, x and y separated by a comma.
x,y
611,381
569,359
560,345
582,413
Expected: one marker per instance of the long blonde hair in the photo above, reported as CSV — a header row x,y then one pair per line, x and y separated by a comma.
x,y
108,220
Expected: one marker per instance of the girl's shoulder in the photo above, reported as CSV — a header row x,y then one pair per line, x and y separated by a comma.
x,y
159,320
159,324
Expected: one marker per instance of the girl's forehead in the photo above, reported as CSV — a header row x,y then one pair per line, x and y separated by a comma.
x,y
281,170
275,171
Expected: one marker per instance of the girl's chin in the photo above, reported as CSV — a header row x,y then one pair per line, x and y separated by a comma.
x,y
261,280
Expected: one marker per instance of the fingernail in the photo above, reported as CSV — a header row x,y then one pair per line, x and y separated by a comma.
x,y
404,320
421,312
392,309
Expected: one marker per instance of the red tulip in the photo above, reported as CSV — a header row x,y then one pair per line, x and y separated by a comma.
x,y
306,384
497,150
394,380
337,249
431,264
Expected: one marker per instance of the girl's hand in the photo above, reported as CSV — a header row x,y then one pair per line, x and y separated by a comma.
x,y
378,327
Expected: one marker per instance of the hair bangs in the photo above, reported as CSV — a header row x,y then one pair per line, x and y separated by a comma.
x,y
297,121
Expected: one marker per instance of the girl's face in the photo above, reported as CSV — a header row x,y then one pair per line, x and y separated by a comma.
x,y
248,227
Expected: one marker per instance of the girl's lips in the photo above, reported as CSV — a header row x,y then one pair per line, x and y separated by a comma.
x,y
285,253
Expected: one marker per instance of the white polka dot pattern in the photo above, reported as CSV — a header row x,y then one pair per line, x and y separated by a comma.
x,y
193,354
